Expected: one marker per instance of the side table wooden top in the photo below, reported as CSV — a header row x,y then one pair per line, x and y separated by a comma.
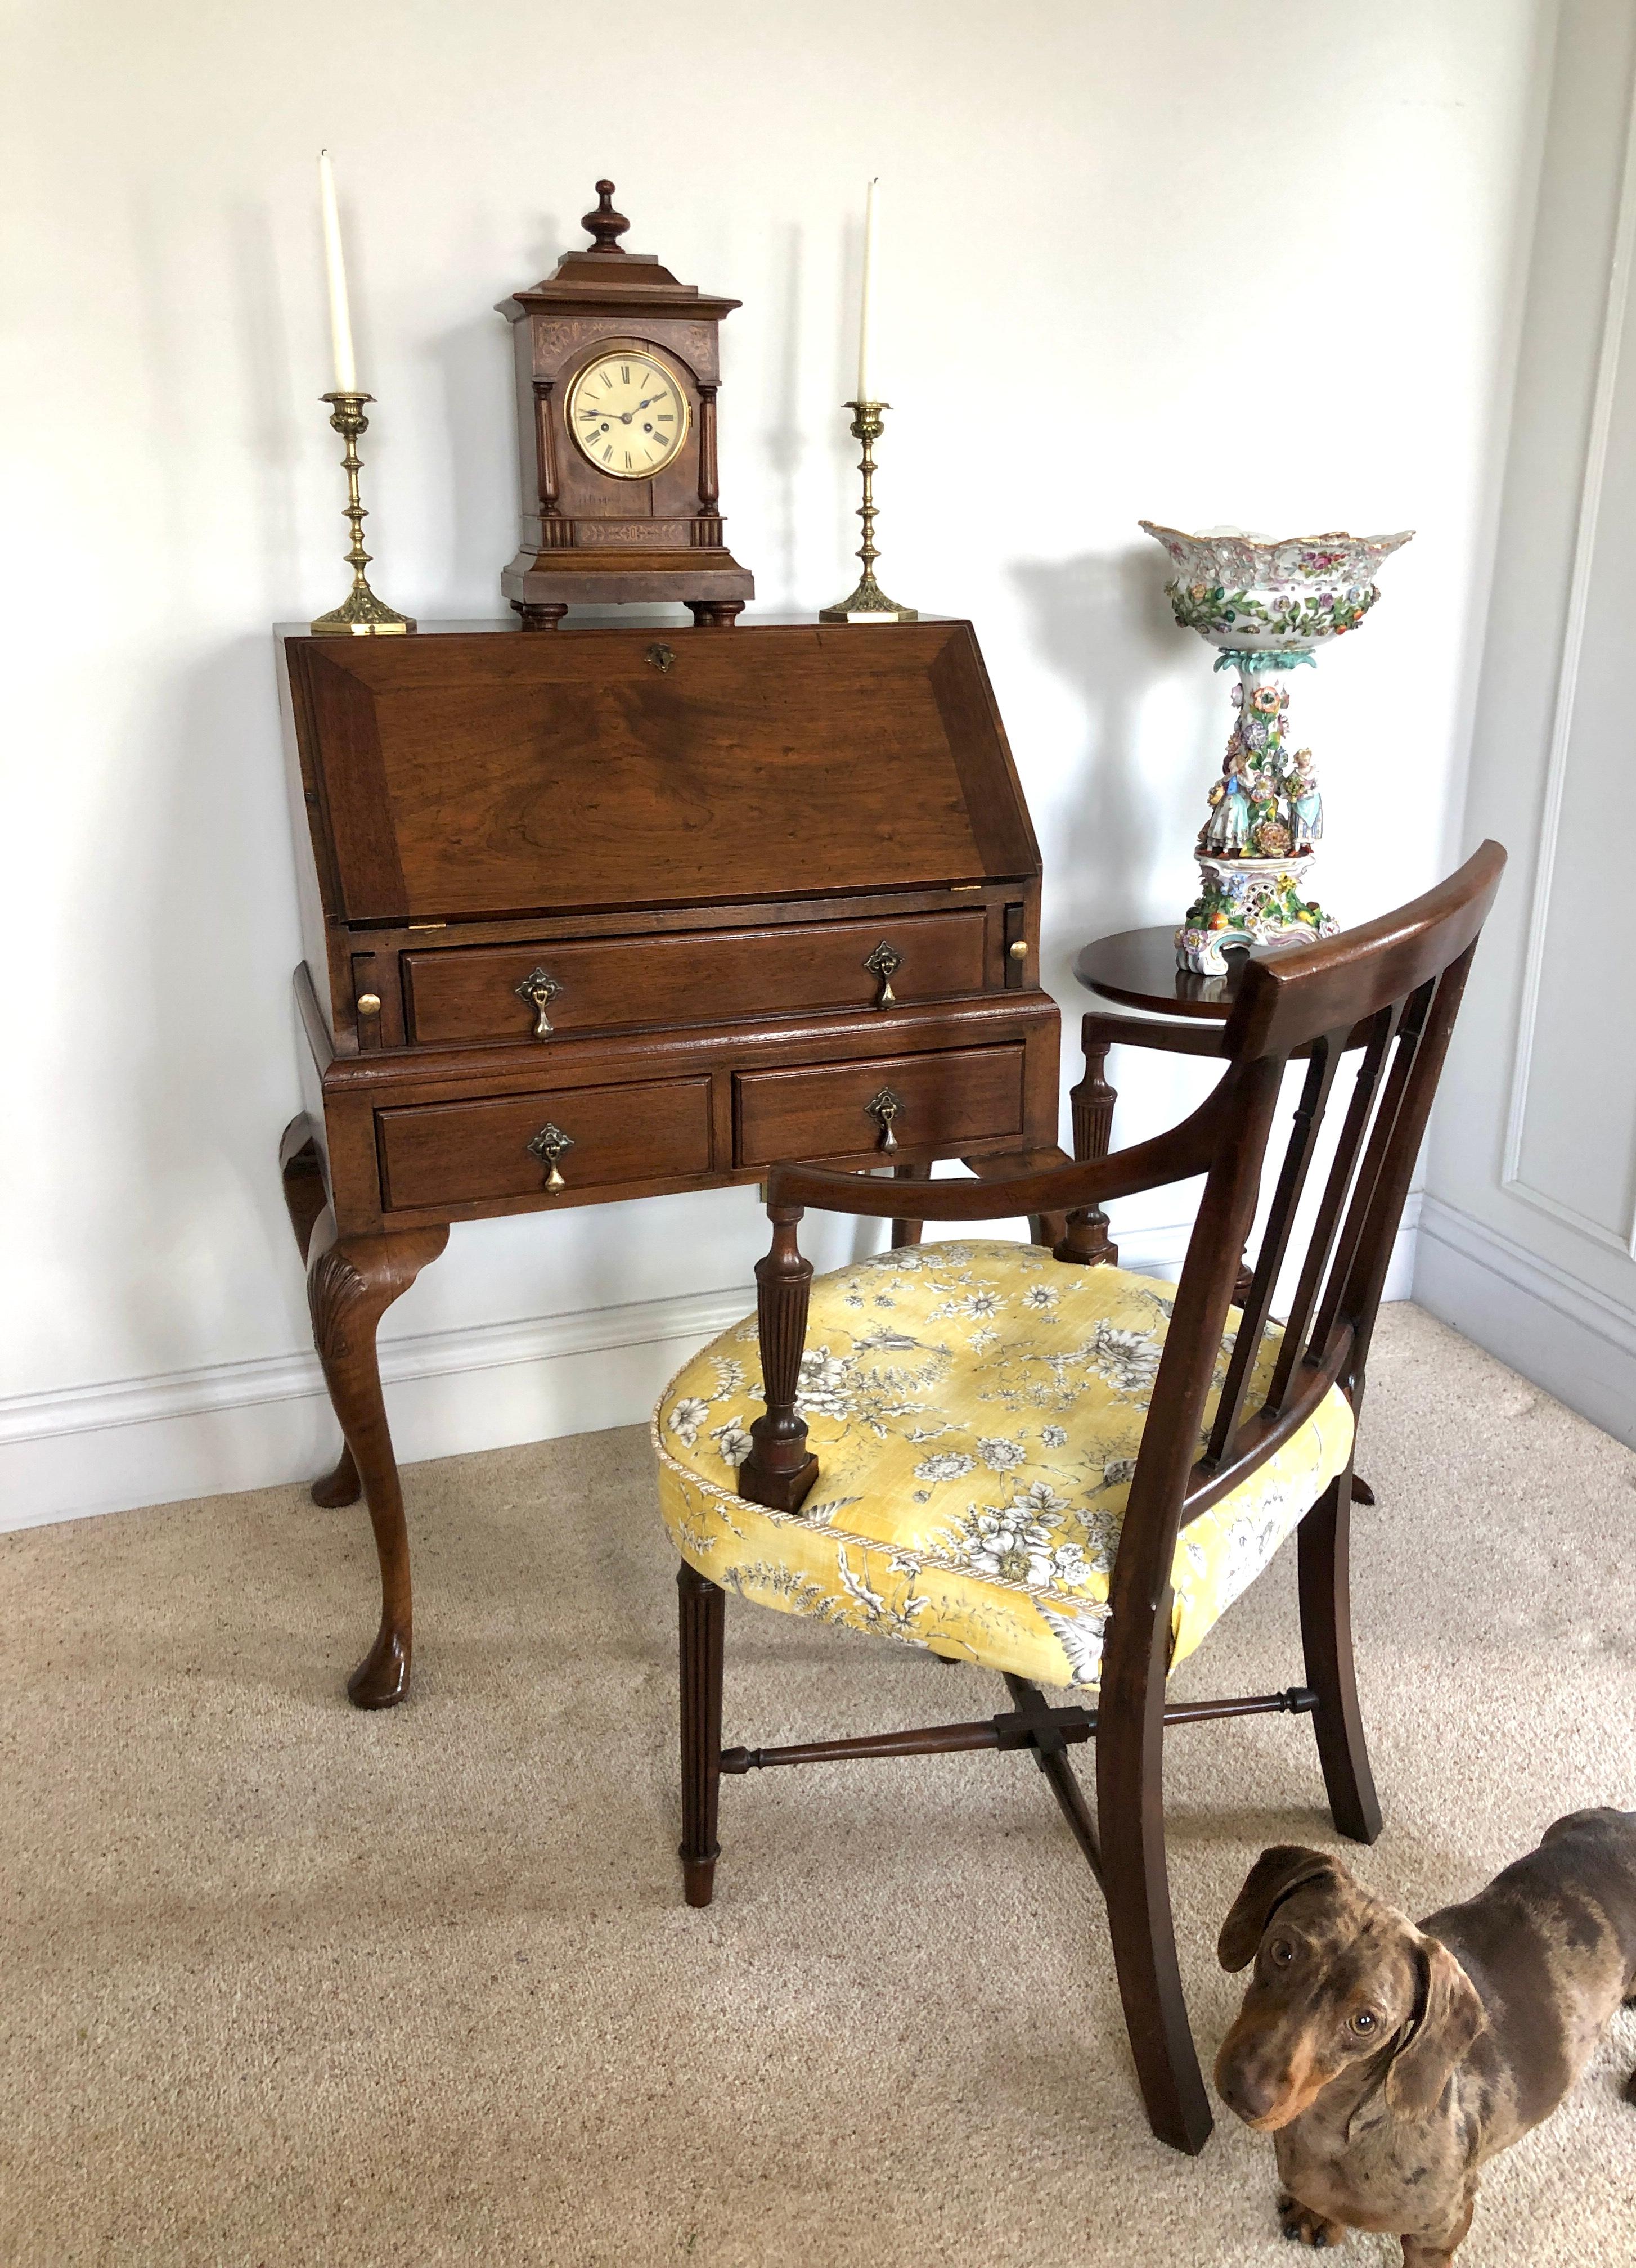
x,y
1137,966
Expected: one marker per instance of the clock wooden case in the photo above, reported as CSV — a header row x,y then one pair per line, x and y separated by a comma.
x,y
614,329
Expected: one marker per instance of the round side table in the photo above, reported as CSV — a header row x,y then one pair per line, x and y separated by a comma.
x,y
1137,966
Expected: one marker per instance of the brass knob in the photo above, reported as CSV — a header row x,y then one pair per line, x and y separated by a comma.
x,y
883,1109
1019,950
549,1144
369,1004
539,989
884,962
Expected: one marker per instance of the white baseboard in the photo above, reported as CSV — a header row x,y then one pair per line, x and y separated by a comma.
x,y
226,1426
1565,1336
253,1425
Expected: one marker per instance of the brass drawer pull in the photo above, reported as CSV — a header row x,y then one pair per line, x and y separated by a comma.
x,y
539,989
884,962
549,1145
883,1109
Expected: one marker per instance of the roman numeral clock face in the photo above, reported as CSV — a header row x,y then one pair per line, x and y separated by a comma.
x,y
628,415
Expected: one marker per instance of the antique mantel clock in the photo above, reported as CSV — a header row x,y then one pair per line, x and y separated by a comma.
x,y
617,369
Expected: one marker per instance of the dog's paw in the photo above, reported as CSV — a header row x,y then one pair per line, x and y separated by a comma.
x,y
1301,2226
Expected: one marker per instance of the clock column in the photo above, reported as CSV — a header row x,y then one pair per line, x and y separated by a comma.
x,y
710,614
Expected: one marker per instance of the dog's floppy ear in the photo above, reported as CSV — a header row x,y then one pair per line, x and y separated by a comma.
x,y
1448,2015
1275,1876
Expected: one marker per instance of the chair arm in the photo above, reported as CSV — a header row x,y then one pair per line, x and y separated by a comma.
x,y
780,1469
1098,1029
1175,1155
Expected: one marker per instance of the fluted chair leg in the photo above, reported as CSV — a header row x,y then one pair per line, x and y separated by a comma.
x,y
1323,1549
702,1605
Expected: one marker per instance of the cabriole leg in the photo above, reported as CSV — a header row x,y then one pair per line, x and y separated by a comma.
x,y
305,1197
351,1281
702,1628
1324,1568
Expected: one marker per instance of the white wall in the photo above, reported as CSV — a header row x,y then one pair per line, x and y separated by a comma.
x,y
1264,263
1530,1222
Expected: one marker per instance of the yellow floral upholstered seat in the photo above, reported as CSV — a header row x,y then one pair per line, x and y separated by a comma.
x,y
976,1409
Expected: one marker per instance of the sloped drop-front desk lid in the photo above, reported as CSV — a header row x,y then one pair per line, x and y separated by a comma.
x,y
487,772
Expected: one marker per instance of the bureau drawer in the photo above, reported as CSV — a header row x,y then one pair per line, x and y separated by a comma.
x,y
451,1153
823,1111
712,976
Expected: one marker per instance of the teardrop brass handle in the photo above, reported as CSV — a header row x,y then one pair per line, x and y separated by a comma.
x,y
883,1109
884,962
539,989
661,657
549,1145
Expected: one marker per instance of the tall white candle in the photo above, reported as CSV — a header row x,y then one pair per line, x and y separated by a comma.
x,y
340,315
864,308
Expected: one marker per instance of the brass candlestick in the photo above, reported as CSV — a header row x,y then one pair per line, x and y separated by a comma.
x,y
361,614
868,603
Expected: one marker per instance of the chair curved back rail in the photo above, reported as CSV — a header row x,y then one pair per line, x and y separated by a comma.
x,y
1390,992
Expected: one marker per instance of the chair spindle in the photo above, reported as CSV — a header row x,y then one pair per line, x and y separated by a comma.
x,y
1308,1118
779,1469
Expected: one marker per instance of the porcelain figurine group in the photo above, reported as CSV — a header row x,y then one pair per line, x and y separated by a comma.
x,y
1266,803
1264,605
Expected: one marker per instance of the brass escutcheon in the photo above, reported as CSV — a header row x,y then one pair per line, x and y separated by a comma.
x,y
539,989
884,962
549,1144
661,656
883,1109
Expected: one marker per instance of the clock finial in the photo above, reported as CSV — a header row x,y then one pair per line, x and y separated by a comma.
x,y
605,225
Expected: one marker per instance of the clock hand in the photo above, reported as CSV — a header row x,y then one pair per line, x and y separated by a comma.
x,y
624,416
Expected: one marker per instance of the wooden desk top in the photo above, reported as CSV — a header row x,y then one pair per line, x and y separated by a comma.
x,y
1136,967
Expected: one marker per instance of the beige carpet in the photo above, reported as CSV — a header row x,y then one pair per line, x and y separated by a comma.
x,y
284,1984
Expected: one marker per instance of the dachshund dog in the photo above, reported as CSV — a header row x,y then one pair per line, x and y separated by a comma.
x,y
1390,2063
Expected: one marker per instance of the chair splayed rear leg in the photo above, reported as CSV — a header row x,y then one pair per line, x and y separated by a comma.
x,y
1135,1882
1323,1549
703,1606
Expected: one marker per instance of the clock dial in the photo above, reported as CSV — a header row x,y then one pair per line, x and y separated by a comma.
x,y
628,415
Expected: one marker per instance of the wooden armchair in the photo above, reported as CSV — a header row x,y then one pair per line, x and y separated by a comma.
x,y
1143,1448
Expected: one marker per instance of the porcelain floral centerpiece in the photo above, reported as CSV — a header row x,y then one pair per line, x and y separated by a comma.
x,y
1265,605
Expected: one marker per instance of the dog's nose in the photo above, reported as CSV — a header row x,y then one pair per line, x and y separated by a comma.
x,y
1250,2095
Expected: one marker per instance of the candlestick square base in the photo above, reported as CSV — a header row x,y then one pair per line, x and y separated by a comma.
x,y
362,614
868,603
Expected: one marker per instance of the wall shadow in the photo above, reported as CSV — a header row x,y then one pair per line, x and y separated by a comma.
x,y
785,441
1103,625
476,371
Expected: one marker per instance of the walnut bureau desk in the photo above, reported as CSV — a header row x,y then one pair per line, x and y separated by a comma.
x,y
612,912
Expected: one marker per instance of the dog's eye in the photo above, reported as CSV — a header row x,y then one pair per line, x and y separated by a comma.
x,y
1281,1952
1364,2021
